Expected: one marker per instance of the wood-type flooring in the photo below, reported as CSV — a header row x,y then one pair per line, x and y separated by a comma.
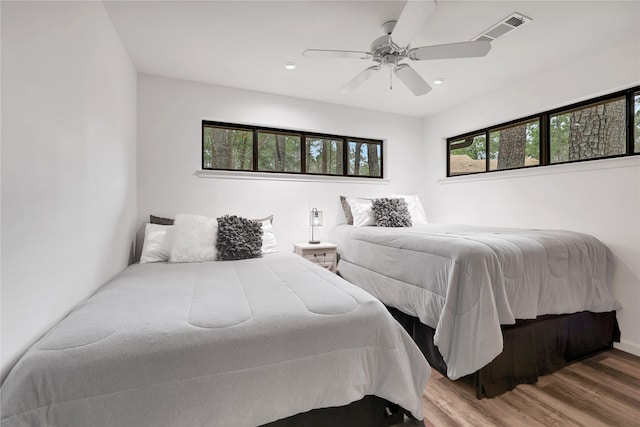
x,y
603,390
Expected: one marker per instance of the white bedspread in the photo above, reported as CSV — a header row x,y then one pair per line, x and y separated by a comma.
x,y
466,281
235,343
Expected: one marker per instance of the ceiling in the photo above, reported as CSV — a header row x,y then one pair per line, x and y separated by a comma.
x,y
244,44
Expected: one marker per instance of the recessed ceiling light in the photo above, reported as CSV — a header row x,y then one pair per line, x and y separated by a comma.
x,y
290,65
439,81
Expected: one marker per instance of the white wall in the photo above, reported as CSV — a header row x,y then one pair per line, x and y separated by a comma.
x,y
68,163
170,113
600,197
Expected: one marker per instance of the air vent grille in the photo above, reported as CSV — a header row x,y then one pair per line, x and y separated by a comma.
x,y
484,38
514,21
501,28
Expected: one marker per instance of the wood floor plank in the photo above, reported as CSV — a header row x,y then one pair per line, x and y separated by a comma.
x,y
626,396
537,411
612,378
591,404
600,391
541,396
623,365
457,404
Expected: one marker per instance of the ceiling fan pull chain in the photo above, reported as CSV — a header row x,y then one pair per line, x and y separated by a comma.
x,y
390,79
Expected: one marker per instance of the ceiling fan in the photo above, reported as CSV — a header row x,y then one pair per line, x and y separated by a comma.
x,y
394,47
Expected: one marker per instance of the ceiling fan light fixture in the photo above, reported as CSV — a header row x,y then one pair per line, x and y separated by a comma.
x,y
439,81
290,65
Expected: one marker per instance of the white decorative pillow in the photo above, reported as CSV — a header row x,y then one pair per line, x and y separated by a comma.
x,y
362,212
194,239
157,243
418,215
269,243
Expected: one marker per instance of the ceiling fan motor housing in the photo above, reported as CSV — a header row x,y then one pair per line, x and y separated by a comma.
x,y
381,46
383,53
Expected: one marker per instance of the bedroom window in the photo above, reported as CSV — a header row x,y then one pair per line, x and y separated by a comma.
x,y
278,152
603,127
594,131
324,156
468,155
227,148
237,147
364,158
515,146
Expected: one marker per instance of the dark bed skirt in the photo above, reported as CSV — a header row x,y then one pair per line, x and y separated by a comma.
x,y
532,348
370,411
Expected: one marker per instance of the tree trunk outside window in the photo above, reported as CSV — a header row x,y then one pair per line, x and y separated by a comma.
x,y
374,163
598,131
512,147
356,160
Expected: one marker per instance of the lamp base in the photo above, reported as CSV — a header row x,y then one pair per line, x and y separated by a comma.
x,y
314,242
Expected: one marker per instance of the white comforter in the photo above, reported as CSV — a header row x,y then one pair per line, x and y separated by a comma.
x,y
466,281
236,343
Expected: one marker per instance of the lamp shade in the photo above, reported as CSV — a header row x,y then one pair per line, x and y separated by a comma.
x,y
315,218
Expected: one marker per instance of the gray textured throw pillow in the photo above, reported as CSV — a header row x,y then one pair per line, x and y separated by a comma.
x,y
391,213
238,238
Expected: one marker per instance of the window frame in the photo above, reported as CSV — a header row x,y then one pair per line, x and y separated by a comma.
x,y
232,126
545,134
631,118
323,136
257,151
303,149
345,154
473,135
523,122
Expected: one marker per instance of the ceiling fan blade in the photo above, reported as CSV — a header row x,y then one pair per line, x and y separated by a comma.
x,y
324,53
451,50
359,79
413,16
412,80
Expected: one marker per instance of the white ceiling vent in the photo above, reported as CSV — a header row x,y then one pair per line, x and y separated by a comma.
x,y
509,23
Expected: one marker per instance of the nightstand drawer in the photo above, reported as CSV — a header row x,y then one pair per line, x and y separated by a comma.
x,y
323,258
323,254
320,254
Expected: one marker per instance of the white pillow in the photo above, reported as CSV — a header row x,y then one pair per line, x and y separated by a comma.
x,y
418,215
362,212
194,239
269,243
157,243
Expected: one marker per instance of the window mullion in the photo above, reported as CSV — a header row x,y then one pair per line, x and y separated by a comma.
x,y
487,152
255,149
545,140
630,121
345,148
303,153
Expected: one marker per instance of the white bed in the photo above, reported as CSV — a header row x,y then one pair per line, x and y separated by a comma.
x,y
465,282
235,343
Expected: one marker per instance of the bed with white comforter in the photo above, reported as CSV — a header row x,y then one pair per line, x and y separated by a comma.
x,y
235,343
466,281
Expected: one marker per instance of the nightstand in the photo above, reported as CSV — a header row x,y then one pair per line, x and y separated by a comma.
x,y
323,253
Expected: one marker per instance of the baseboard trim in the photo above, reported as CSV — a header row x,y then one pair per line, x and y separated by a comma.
x,y
628,347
